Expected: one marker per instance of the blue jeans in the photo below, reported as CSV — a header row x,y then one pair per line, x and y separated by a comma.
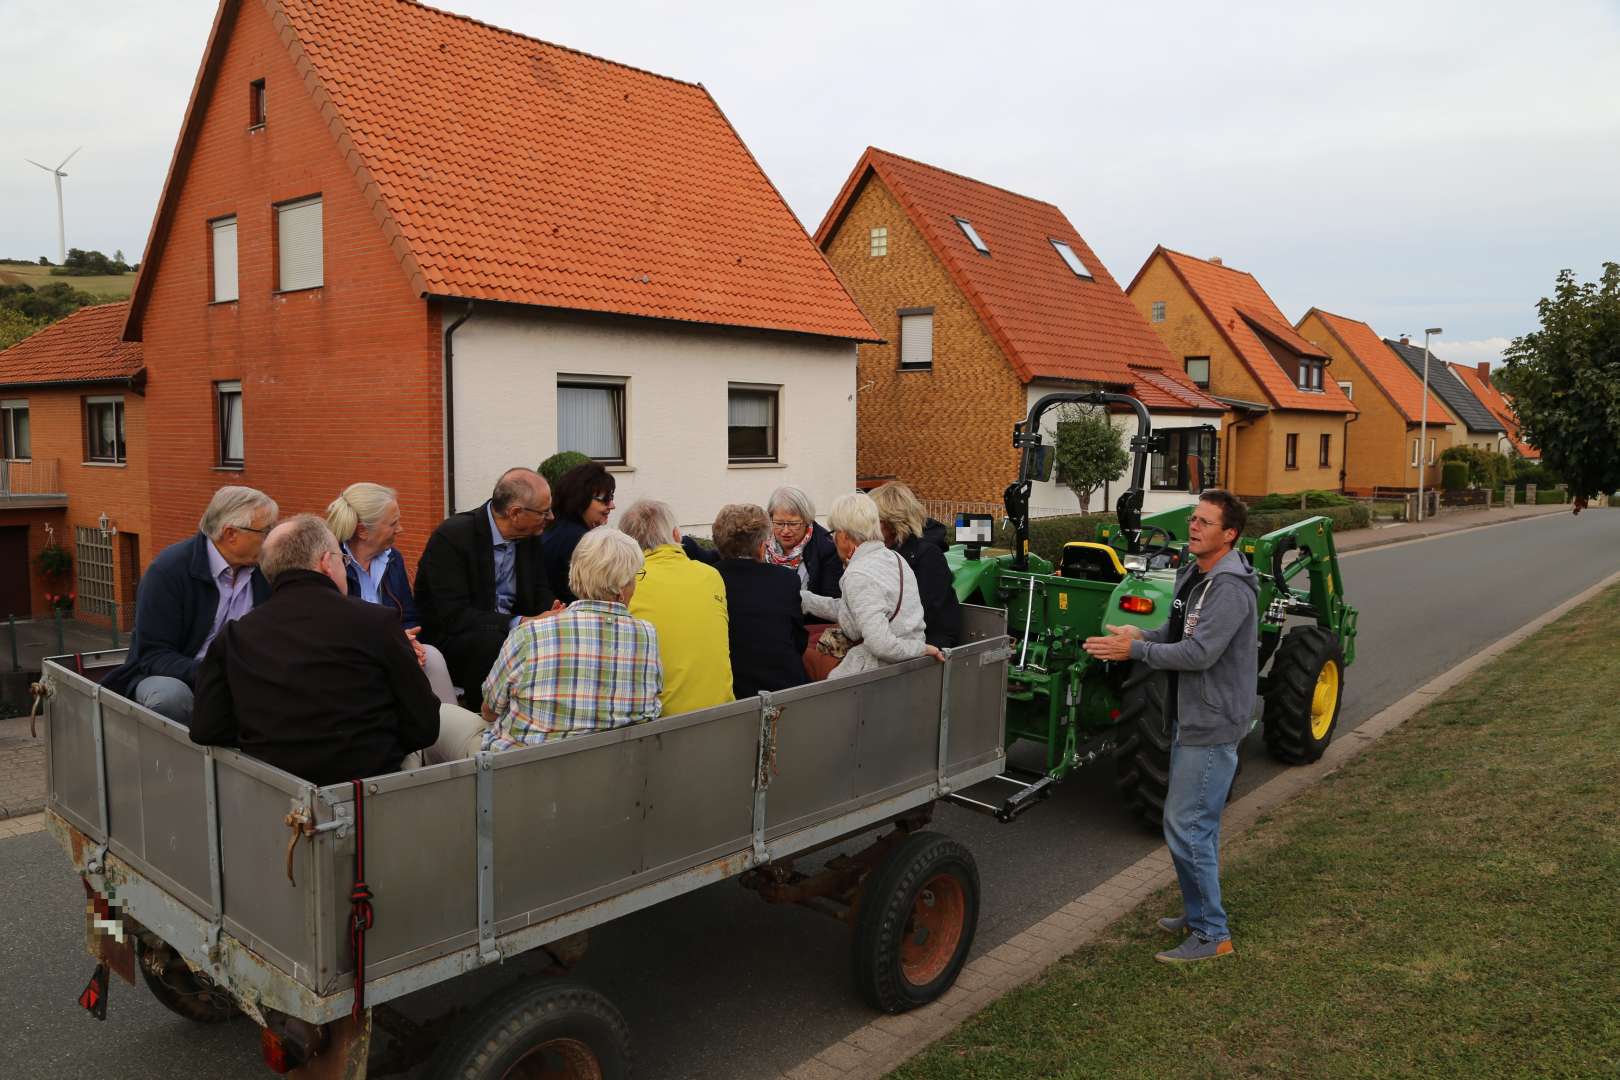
x,y
1200,777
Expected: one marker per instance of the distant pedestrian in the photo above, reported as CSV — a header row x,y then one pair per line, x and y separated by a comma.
x,y
1210,647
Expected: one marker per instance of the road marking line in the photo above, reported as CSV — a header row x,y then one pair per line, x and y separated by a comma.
x,y
1085,918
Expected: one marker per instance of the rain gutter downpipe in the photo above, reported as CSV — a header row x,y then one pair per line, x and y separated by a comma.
x,y
450,413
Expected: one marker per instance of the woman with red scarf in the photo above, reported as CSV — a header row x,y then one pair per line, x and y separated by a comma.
x,y
800,544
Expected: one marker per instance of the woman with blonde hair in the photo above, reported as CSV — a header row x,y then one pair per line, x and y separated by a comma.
x,y
920,540
880,614
365,520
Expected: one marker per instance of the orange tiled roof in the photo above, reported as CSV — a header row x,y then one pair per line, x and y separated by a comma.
x,y
1494,400
1049,322
1389,372
509,169
87,346
1242,311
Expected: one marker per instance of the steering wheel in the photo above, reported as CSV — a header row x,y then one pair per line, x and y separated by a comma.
x,y
1146,533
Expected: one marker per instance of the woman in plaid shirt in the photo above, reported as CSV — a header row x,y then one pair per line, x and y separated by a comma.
x,y
588,668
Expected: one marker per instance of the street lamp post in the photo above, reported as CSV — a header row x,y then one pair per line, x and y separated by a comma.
x,y
1423,424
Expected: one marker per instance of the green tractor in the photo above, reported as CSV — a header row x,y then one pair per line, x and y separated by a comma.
x,y
1083,710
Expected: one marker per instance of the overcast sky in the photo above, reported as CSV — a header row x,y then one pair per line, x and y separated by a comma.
x,y
1410,164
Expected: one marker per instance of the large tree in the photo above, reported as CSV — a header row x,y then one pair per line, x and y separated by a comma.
x,y
1090,450
1565,382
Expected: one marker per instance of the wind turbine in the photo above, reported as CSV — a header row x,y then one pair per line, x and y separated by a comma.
x,y
61,227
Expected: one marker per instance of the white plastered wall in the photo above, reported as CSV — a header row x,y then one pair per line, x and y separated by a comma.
x,y
506,366
1054,498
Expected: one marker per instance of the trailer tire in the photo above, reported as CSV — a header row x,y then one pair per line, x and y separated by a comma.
x,y
1142,762
181,990
1303,693
563,1028
918,912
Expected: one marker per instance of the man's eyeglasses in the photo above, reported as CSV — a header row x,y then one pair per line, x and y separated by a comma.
x,y
248,528
1206,522
544,515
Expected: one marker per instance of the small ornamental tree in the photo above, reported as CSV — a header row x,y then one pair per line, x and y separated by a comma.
x,y
1090,450
1565,383
559,463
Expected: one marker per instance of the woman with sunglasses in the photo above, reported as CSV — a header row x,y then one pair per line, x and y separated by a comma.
x,y
365,520
582,499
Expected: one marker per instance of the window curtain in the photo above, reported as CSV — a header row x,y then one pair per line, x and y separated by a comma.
x,y
589,419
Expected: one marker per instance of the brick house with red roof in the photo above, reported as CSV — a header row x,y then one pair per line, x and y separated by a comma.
x,y
1478,381
400,245
75,466
1383,448
1292,418
988,300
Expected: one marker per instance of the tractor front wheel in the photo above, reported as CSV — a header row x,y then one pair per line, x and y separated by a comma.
x,y
1142,762
1303,693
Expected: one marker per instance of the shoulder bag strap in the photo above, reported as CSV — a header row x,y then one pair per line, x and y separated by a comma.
x,y
900,567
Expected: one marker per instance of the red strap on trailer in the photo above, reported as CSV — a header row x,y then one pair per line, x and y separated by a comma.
x,y
360,914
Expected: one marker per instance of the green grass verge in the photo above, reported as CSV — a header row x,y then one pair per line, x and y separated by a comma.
x,y
1444,906
104,286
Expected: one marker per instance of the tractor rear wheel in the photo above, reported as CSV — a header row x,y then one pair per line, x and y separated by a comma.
x,y
1142,762
1303,693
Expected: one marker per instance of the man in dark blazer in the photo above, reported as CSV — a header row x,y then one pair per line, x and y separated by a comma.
x,y
188,594
315,682
481,573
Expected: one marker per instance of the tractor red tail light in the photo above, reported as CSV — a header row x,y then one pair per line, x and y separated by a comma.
x,y
1136,605
274,1051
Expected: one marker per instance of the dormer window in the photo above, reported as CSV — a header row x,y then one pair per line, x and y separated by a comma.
x,y
973,236
256,112
1310,374
1071,260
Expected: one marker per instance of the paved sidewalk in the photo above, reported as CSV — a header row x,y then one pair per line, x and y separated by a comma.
x,y
22,770
1447,522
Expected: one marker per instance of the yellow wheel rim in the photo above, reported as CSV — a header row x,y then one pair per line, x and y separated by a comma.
x,y
1325,700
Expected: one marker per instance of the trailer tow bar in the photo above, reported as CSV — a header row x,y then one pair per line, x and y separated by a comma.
x,y
1032,788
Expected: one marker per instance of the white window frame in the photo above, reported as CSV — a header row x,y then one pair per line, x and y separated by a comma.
x,y
879,241
1071,258
121,447
1431,449
300,245
972,235
1349,389
773,432
223,259
1158,311
618,389
8,419
223,391
1416,451
917,317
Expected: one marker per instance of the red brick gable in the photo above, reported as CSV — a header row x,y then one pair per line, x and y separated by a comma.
x,y
85,347
508,169
1049,322
1241,312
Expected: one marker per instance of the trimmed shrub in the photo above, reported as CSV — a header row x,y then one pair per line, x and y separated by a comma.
x,y
1314,499
1048,535
1551,497
1454,475
559,463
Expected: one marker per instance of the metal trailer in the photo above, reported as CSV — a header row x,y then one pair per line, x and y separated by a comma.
x,y
227,882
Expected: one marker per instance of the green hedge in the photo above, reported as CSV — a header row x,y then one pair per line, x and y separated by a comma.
x,y
1614,500
1454,476
1315,499
1048,535
1548,498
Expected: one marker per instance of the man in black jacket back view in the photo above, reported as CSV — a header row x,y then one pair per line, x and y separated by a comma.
x,y
313,681
481,573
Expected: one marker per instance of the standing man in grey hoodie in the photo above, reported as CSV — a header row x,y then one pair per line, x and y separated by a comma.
x,y
1210,647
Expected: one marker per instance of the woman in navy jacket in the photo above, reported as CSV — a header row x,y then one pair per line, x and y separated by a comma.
x,y
796,542
762,605
365,519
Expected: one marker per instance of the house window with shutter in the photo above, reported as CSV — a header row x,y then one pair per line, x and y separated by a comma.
x,y
916,339
298,245
223,231
228,407
591,417
880,242
751,423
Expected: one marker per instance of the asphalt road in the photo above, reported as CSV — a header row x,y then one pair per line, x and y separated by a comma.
x,y
719,985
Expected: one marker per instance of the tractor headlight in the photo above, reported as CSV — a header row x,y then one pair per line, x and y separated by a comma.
x,y
1136,564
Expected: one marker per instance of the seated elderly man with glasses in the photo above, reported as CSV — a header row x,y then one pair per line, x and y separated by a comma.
x,y
482,573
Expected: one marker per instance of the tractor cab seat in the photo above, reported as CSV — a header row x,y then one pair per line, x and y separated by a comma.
x,y
1091,562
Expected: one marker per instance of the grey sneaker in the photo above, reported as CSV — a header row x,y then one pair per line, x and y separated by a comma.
x,y
1194,949
1173,924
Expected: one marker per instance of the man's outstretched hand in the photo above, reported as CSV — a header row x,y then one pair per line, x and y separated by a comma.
x,y
1116,645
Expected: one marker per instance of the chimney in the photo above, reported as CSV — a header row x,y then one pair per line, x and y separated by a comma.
x,y
1485,371
1405,340
1216,259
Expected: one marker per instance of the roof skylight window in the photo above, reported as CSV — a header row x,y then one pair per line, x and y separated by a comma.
x,y
973,236
1071,260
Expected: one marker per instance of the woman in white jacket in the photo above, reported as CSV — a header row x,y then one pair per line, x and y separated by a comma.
x,y
880,611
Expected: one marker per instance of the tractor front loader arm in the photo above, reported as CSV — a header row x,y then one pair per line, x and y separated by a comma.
x,y
1281,558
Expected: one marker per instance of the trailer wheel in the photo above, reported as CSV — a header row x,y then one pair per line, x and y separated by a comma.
x,y
1303,693
918,912
552,1029
1142,762
180,990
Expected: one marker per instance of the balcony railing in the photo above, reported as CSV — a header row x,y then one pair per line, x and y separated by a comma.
x,y
41,477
